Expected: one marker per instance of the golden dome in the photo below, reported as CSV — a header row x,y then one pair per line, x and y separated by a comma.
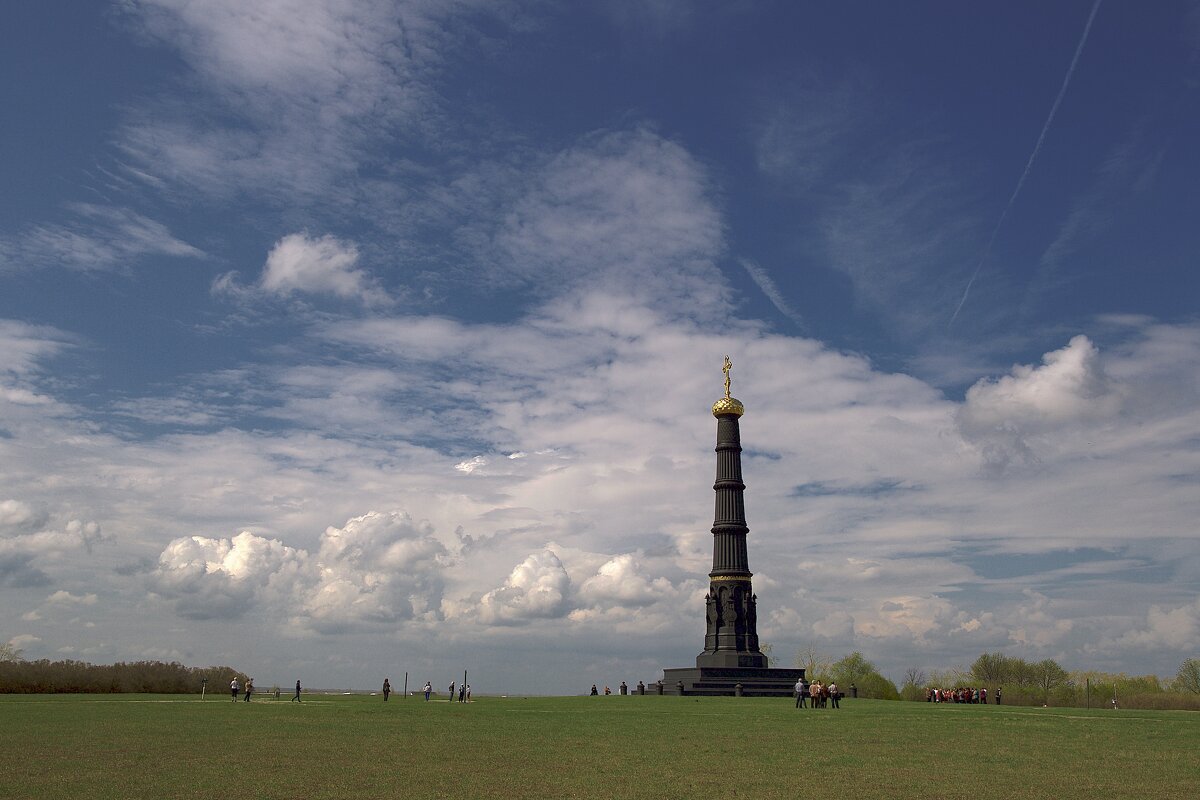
x,y
728,405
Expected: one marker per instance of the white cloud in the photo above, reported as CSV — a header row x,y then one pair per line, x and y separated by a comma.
x,y
621,581
377,568
295,93
227,578
14,513
1038,623
537,588
1013,419
625,209
23,345
1069,387
65,598
1164,627
96,237
23,554
23,640
768,287
326,264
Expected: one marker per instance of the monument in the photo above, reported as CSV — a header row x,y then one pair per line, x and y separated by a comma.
x,y
731,656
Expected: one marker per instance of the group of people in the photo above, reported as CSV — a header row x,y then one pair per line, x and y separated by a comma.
x,y
819,694
961,694
235,687
464,692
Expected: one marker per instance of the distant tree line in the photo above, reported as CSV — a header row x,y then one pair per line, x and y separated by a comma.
x,y
30,677
1047,683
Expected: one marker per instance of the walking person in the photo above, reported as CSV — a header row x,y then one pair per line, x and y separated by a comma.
x,y
387,689
249,689
427,690
296,699
234,688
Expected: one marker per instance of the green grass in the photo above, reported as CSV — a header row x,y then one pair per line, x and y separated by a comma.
x,y
113,746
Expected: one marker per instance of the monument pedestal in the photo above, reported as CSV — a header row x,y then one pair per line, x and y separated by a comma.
x,y
755,681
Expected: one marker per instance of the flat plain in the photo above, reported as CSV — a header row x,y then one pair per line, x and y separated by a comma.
x,y
150,746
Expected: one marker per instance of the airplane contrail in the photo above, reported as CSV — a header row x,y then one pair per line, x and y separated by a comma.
x,y
1029,164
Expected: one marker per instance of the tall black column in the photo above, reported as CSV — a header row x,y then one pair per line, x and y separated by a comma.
x,y
731,639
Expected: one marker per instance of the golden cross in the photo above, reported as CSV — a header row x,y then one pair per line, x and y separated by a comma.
x,y
728,366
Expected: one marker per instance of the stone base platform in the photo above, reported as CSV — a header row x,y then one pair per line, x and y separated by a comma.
x,y
716,681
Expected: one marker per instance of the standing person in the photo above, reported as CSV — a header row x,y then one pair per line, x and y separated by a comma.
x,y
296,699
801,690
999,694
462,693
468,692
428,688
234,688
595,691
452,691
387,689
249,689
833,695
983,696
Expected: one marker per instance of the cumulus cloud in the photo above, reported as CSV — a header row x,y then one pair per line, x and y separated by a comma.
x,y
1037,623
23,554
326,264
14,513
65,598
377,568
1070,389
622,581
227,578
380,567
1164,627
537,588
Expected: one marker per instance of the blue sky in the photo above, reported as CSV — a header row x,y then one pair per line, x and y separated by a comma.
x,y
344,339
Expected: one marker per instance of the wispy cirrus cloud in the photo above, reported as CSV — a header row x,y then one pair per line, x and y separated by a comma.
x,y
94,237
290,100
763,280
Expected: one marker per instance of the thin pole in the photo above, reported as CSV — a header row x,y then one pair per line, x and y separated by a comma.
x,y
1089,692
406,684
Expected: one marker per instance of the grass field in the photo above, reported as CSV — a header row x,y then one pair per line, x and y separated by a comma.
x,y
140,746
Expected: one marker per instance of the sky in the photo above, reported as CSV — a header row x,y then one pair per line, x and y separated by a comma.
x,y
343,340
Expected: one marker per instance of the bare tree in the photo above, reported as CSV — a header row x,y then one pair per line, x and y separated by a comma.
x,y
9,653
813,662
914,676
